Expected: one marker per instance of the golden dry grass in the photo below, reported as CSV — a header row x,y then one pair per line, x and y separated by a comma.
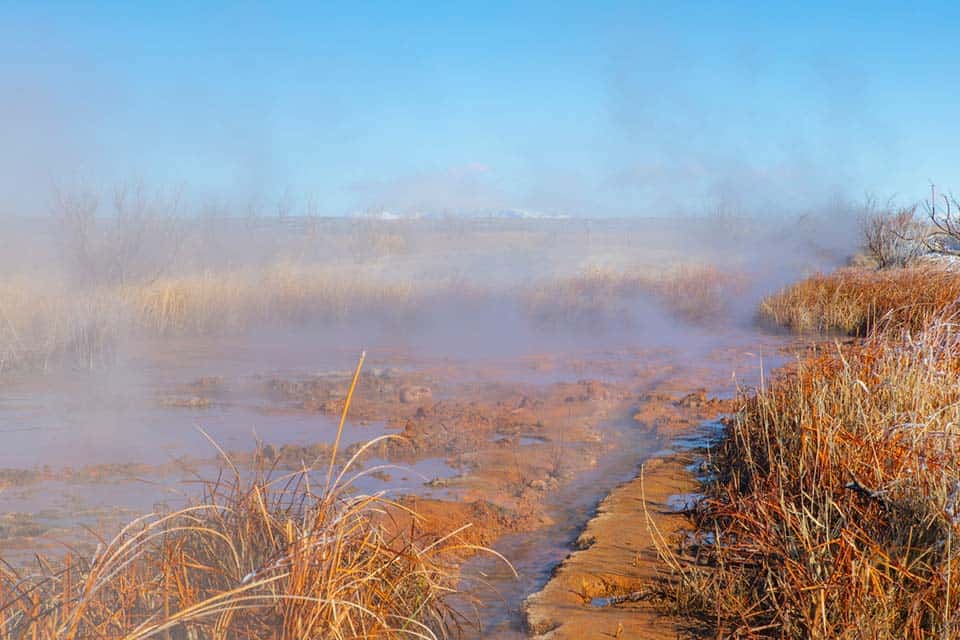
x,y
834,501
694,292
269,557
43,321
283,292
854,300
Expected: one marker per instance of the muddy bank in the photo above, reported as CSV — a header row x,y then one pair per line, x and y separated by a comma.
x,y
601,588
602,584
657,421
605,587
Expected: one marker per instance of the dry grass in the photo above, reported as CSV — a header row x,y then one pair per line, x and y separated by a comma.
x,y
694,292
260,556
265,558
835,498
854,300
268,557
43,321
281,293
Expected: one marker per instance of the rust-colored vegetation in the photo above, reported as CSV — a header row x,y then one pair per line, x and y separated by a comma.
x,y
852,301
834,500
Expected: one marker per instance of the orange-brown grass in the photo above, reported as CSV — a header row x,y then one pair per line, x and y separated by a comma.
x,y
260,556
269,557
854,300
693,292
835,504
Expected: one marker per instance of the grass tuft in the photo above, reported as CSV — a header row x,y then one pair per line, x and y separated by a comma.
x,y
855,300
261,555
834,498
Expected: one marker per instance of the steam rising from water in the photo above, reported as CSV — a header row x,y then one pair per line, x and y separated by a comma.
x,y
86,281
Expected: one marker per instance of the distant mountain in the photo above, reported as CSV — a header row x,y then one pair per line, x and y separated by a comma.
x,y
380,214
524,214
500,214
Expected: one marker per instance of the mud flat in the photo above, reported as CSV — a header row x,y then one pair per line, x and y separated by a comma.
x,y
524,449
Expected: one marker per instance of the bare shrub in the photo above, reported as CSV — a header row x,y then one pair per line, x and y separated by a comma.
x,y
137,242
944,235
892,238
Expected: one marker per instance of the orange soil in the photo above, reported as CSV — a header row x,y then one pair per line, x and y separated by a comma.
x,y
516,442
616,559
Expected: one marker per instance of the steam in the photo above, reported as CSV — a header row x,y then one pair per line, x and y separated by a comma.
x,y
199,204
109,270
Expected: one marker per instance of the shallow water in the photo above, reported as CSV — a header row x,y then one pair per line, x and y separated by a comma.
x,y
156,453
535,554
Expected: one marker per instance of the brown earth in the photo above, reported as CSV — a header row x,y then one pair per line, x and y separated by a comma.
x,y
510,443
616,561
502,486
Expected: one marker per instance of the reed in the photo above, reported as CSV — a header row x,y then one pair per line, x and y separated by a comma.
x,y
281,293
694,292
43,321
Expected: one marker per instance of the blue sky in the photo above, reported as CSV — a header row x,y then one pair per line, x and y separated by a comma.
x,y
579,108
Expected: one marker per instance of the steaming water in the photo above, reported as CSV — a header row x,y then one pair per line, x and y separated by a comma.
x,y
57,425
536,554
59,421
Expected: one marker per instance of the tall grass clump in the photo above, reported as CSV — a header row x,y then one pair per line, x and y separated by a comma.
x,y
853,301
281,293
835,504
260,556
693,292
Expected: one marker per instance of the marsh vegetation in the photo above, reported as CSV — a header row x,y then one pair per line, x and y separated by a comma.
x,y
831,502
265,551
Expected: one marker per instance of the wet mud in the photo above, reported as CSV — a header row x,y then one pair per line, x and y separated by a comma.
x,y
525,449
